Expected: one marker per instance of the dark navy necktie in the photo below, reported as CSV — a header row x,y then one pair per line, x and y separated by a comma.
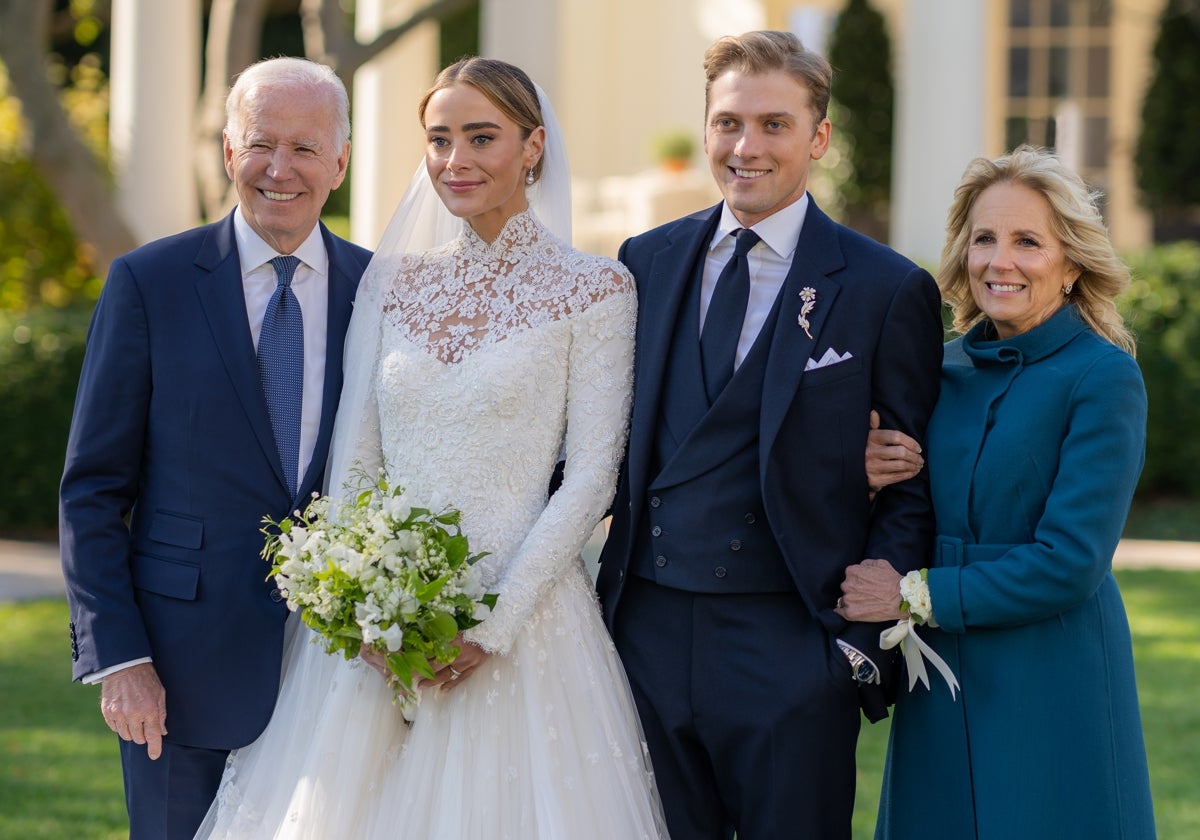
x,y
281,366
726,313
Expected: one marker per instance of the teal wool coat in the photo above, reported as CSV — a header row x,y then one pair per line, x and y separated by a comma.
x,y
1034,450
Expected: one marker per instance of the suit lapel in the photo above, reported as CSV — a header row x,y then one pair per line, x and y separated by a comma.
x,y
224,303
663,290
818,255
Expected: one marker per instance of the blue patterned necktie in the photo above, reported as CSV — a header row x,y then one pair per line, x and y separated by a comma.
x,y
726,313
281,366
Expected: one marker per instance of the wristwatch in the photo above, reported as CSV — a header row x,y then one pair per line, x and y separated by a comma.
x,y
860,667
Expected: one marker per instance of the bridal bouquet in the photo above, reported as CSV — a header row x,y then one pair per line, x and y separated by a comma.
x,y
380,572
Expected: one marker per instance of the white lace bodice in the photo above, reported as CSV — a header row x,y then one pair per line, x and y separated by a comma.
x,y
495,360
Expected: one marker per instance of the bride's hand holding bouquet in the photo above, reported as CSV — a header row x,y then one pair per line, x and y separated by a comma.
x,y
381,576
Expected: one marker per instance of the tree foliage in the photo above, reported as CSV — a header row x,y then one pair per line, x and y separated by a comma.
x,y
864,92
1168,150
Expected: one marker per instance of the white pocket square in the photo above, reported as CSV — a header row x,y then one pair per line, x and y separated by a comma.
x,y
831,357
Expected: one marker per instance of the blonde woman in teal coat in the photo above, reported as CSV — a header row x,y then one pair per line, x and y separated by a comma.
x,y
1034,451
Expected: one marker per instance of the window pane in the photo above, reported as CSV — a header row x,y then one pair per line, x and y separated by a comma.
x,y
1058,72
1018,71
1016,132
1097,71
1060,13
1099,12
1019,13
1095,142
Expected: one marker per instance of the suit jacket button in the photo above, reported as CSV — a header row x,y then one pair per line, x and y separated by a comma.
x,y
276,595
720,571
655,501
749,518
735,545
656,531
660,561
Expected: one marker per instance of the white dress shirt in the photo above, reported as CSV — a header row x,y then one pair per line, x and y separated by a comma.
x,y
769,262
311,287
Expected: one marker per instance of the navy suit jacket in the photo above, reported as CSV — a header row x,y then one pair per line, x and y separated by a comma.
x,y
869,301
171,466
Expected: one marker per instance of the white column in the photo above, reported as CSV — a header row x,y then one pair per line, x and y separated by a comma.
x,y
941,78
387,143
154,87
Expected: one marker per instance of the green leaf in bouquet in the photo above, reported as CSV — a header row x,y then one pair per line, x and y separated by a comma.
x,y
418,664
400,666
456,550
431,590
441,626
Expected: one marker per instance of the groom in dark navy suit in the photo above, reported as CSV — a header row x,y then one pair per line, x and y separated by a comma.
x,y
206,402
766,335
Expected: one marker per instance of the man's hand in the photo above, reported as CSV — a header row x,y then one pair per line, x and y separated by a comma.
x,y
891,456
870,592
134,705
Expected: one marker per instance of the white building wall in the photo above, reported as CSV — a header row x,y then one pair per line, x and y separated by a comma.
x,y
940,118
154,86
387,143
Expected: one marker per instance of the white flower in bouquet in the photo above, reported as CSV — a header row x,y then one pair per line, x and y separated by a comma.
x,y
383,573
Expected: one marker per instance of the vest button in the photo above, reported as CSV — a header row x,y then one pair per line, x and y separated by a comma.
x,y
660,561
656,531
720,571
735,545
276,595
655,502
749,518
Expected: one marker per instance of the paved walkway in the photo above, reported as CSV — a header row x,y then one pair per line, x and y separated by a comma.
x,y
30,570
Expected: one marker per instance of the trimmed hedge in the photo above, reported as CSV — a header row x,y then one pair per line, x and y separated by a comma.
x,y
40,357
1163,309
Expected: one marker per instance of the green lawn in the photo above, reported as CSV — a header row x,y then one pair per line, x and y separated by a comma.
x,y
60,775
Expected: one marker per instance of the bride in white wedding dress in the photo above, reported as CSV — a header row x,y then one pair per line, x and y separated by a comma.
x,y
471,368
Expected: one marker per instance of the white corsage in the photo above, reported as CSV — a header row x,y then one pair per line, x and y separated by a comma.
x,y
914,594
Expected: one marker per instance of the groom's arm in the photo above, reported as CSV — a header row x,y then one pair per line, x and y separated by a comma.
x,y
905,383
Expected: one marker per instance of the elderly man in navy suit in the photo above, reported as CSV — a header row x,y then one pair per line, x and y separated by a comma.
x,y
766,335
206,402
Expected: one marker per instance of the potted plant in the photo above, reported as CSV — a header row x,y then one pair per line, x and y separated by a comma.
x,y
673,149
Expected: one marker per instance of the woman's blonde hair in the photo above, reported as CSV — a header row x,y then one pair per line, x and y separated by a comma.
x,y
1075,220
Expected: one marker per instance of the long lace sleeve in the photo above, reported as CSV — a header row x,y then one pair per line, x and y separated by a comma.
x,y
598,400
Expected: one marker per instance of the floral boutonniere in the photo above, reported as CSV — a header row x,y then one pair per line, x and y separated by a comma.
x,y
808,297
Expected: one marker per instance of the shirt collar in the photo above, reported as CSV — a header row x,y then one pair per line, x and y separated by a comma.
x,y
254,252
780,230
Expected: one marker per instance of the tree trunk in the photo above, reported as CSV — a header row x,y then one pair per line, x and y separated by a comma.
x,y
70,168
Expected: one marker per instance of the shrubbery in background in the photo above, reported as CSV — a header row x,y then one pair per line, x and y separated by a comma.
x,y
1163,308
40,356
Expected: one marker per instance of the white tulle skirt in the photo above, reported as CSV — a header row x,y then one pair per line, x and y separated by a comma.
x,y
541,744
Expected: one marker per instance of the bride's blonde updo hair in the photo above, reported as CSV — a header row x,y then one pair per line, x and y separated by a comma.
x,y
1075,219
506,86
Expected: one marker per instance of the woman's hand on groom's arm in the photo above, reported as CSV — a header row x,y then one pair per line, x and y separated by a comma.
x,y
134,704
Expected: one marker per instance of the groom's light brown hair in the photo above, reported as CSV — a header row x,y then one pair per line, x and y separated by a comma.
x,y
766,50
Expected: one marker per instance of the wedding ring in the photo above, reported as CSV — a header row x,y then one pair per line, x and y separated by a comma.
x,y
454,674
839,602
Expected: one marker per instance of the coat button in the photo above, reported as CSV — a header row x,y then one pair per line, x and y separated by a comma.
x,y
276,595
655,502
749,518
660,561
735,545
656,531
720,571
